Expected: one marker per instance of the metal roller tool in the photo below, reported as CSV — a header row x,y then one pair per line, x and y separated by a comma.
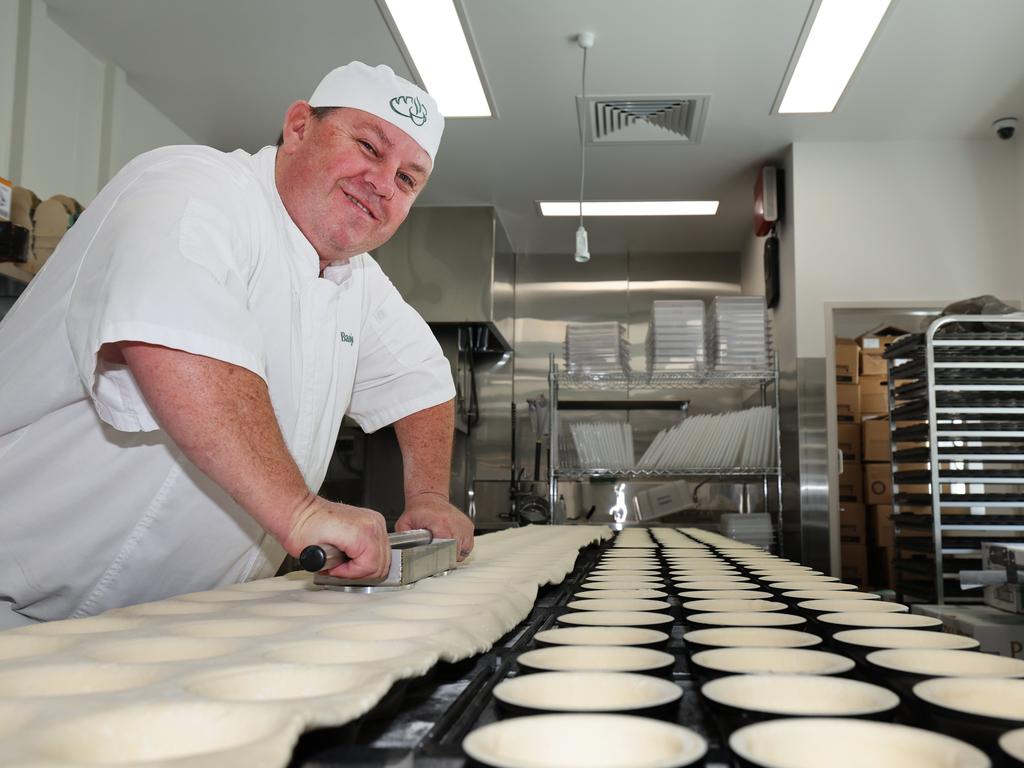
x,y
415,555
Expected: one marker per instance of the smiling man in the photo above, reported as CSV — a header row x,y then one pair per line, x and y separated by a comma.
x,y
174,379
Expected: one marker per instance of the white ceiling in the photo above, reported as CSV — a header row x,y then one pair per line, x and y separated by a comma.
x,y
225,71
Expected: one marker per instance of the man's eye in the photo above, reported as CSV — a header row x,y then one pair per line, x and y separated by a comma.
x,y
368,147
408,180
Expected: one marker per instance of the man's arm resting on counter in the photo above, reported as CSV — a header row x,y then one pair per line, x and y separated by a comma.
x,y
221,417
425,438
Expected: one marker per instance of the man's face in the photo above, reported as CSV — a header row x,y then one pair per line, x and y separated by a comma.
x,y
347,179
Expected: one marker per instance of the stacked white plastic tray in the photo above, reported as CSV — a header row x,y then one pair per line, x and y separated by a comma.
x,y
738,334
596,348
675,336
603,445
744,439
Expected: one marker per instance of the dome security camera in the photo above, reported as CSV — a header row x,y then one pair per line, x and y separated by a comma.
x,y
1005,127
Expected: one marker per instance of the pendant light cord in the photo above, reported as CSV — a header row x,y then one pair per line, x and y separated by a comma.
x,y
583,141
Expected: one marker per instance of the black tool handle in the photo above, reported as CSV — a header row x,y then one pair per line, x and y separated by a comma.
x,y
323,557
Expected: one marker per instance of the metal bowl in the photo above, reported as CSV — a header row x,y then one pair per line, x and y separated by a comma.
x,y
902,668
649,619
612,692
597,658
596,741
764,661
858,643
749,637
807,742
738,700
745,619
976,710
638,637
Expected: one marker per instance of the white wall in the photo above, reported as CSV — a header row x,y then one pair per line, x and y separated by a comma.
x,y
137,125
82,120
903,221
8,55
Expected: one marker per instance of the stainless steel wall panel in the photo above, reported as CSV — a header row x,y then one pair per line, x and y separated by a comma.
x,y
447,263
813,467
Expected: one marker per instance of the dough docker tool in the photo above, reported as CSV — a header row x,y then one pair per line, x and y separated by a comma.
x,y
415,555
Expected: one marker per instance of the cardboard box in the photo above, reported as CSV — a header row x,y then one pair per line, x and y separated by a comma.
x,y
854,563
664,499
877,483
997,631
874,396
847,360
848,402
876,442
880,525
875,343
852,523
1008,558
848,436
851,481
872,364
881,568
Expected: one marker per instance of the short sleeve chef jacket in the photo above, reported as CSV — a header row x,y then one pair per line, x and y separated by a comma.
x,y
192,249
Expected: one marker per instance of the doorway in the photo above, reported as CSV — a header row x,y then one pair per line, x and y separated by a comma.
x,y
851,320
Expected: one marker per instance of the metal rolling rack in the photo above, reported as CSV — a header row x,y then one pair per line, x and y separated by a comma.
x,y
677,381
956,406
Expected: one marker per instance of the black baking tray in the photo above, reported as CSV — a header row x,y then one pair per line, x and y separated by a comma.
x,y
428,726
921,455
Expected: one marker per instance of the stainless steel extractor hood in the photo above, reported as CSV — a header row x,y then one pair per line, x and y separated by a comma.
x,y
456,267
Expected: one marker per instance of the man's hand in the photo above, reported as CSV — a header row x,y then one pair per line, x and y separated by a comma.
x,y
433,512
360,533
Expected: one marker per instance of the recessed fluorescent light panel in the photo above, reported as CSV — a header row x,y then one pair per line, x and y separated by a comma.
x,y
630,208
832,49
436,41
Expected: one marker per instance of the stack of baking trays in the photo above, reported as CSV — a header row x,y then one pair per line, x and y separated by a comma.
x,y
596,348
675,336
661,647
739,337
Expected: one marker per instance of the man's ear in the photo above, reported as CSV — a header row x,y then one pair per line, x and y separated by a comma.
x,y
296,122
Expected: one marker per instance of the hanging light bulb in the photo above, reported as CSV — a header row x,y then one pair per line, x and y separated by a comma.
x,y
584,40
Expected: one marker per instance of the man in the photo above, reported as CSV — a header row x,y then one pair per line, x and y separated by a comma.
x,y
175,377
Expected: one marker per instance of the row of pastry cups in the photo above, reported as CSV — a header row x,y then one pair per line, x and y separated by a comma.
x,y
726,601
829,616
810,698
767,694
921,652
626,649
895,634
618,741
964,704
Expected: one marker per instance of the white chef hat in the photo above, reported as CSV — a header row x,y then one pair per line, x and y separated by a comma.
x,y
379,91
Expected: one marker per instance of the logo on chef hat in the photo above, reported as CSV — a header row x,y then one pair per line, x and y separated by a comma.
x,y
411,107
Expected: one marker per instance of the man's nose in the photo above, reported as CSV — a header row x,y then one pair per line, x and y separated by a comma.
x,y
382,178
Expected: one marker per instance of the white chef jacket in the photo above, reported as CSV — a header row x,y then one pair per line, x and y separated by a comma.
x,y
192,249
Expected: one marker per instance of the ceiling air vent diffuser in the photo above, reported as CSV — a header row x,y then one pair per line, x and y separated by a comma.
x,y
643,119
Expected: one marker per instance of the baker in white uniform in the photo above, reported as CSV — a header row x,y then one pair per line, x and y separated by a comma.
x,y
174,379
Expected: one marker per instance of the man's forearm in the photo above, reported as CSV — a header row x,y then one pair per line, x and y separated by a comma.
x,y
425,438
221,417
